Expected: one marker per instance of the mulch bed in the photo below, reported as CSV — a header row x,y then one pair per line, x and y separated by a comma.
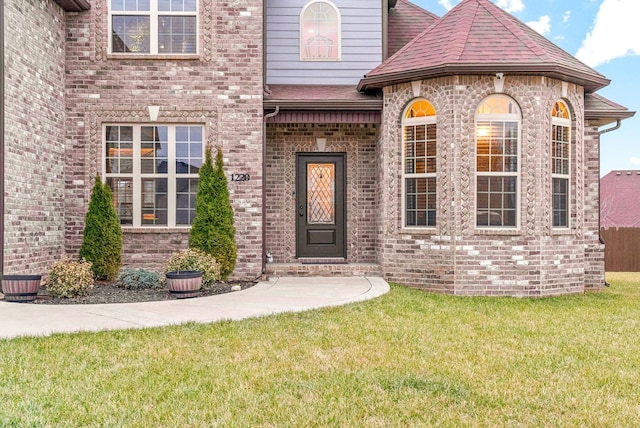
x,y
109,293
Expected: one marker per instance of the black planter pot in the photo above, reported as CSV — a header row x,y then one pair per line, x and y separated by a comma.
x,y
20,288
184,284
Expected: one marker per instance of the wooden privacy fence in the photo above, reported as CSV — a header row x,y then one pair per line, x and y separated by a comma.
x,y
622,249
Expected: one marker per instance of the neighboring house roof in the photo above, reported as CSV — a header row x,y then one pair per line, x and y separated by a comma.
x,y
620,199
74,5
406,21
597,107
476,37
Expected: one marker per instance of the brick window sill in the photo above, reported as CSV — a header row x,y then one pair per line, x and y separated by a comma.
x,y
498,232
150,57
418,231
154,230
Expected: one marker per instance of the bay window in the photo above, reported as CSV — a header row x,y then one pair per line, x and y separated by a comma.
x,y
153,172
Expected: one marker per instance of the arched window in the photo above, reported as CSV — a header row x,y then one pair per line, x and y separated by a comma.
x,y
419,157
560,163
497,162
320,32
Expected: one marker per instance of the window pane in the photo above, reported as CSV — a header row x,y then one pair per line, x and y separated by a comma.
x,y
186,191
154,201
122,190
560,202
130,34
496,201
189,155
177,34
420,202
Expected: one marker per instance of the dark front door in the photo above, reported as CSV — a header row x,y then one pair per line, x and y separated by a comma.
x,y
320,204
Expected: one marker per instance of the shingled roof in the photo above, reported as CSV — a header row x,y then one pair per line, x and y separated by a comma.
x,y
620,199
477,37
406,21
605,111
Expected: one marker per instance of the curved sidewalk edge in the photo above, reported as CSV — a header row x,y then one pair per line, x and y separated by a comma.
x,y
278,295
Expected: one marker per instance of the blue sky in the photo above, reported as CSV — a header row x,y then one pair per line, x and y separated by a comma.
x,y
604,34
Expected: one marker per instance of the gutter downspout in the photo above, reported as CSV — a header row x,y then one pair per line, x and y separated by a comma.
x,y
264,190
604,131
2,139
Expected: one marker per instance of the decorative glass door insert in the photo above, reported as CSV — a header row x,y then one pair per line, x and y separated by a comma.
x,y
321,190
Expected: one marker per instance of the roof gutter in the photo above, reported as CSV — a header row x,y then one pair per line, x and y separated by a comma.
x,y
590,82
368,105
266,117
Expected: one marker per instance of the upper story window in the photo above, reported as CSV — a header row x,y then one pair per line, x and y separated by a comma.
x,y
497,162
153,26
320,32
153,172
419,138
560,163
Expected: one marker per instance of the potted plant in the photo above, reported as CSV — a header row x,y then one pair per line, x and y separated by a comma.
x,y
188,271
20,288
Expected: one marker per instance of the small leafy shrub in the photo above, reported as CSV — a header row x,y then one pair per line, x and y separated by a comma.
x,y
194,259
70,278
135,279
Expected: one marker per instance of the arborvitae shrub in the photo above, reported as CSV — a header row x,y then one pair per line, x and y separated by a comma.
x,y
102,237
212,230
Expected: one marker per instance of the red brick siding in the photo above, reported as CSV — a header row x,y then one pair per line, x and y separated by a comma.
x,y
220,88
34,154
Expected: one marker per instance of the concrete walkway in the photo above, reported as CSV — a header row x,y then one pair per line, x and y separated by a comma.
x,y
265,298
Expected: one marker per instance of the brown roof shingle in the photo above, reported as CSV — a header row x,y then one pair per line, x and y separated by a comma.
x,y
406,21
477,36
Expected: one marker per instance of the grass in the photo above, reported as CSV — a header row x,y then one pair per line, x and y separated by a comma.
x,y
408,358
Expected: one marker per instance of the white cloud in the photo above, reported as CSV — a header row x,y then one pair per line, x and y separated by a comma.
x,y
510,6
446,4
615,33
566,17
635,161
542,25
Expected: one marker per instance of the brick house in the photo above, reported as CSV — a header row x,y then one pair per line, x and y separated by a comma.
x,y
466,160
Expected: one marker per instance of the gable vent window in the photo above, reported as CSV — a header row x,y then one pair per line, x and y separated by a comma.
x,y
320,32
153,26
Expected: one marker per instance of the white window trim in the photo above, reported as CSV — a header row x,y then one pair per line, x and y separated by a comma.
x,y
565,123
153,14
426,120
300,42
136,176
513,117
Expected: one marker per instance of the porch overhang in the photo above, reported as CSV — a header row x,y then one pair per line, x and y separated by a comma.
x,y
74,5
321,104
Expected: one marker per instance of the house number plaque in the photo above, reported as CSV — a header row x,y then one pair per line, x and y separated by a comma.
x,y
240,177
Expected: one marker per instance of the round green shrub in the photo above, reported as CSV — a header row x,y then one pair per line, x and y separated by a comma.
x,y
194,259
69,278
135,279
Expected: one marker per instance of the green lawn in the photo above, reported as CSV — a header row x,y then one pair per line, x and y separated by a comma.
x,y
408,358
